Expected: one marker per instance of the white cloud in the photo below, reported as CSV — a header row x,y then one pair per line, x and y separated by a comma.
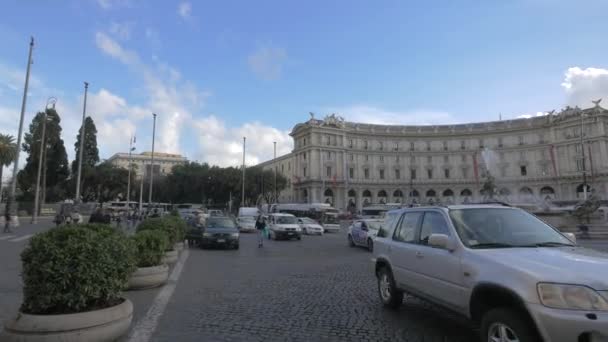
x,y
112,48
121,30
527,116
109,4
224,146
375,115
585,85
266,62
184,9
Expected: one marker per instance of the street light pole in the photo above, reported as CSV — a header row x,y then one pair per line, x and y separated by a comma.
x,y
243,185
152,163
583,154
275,171
40,161
11,197
80,152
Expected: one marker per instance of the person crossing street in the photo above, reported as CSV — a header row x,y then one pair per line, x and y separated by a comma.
x,y
260,225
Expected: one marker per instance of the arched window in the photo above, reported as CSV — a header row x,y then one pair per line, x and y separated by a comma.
x,y
466,193
415,193
547,190
525,191
397,193
431,193
367,193
352,193
504,192
328,193
448,193
381,193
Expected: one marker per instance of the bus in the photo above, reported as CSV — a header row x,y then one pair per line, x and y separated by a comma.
x,y
379,210
323,213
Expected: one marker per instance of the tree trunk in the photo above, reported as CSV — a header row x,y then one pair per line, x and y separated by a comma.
x,y
43,195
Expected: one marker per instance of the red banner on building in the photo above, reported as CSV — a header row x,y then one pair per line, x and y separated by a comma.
x,y
475,168
552,153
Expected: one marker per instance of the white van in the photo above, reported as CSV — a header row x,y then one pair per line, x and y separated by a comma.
x,y
246,218
283,226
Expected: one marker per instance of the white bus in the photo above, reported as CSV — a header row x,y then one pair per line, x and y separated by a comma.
x,y
323,213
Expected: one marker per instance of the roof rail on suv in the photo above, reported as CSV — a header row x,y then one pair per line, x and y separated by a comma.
x,y
504,204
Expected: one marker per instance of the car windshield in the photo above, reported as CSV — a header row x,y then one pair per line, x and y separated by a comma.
x,y
247,218
307,220
374,225
220,223
504,227
286,220
331,219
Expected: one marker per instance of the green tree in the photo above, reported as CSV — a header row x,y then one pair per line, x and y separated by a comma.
x,y
8,149
55,165
90,157
106,183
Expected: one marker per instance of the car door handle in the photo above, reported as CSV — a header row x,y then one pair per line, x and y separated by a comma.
x,y
419,255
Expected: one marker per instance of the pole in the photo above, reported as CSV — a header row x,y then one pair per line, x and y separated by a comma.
x,y
129,173
275,172
583,150
40,161
152,163
82,132
11,197
141,193
243,185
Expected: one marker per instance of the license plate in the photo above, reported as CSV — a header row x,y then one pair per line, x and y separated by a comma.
x,y
289,233
221,241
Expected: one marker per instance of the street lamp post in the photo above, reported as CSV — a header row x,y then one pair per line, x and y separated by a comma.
x,y
9,203
51,100
275,171
152,163
583,155
80,152
243,185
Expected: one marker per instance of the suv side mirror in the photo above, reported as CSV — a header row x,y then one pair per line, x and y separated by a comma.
x,y
570,237
441,241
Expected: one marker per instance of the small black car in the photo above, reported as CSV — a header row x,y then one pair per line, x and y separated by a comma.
x,y
220,231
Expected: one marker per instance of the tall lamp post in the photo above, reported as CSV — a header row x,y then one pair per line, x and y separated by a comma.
x,y
50,101
243,185
9,203
275,171
82,132
152,163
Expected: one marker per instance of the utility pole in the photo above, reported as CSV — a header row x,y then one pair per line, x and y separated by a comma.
x,y
152,163
583,151
9,203
243,185
129,179
40,160
141,193
275,172
82,132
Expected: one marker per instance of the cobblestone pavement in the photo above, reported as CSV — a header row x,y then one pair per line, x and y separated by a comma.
x,y
317,289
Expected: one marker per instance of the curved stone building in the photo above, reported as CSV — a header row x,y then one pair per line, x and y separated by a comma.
x,y
531,160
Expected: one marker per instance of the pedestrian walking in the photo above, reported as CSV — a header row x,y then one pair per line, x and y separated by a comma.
x,y
260,225
7,217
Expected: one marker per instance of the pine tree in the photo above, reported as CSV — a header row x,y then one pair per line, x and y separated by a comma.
x,y
90,154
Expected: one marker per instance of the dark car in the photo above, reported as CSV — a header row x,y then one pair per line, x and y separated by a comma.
x,y
220,232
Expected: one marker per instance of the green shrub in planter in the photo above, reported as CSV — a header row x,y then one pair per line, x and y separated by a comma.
x,y
174,227
101,228
178,225
150,246
70,269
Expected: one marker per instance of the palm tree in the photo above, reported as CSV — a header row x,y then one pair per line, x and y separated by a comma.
x,y
8,149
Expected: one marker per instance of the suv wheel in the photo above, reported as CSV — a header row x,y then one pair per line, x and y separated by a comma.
x,y
503,324
350,241
389,294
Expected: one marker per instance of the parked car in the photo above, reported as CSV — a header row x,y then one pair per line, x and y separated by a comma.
x,y
220,231
214,212
246,223
516,277
363,232
310,226
283,226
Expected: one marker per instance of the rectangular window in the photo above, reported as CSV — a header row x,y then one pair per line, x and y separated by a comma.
x,y
503,172
429,160
380,145
366,158
499,141
381,174
428,145
523,170
352,157
412,160
463,158
282,168
396,147
382,159
544,169
328,155
502,156
413,174
578,148
465,172
328,140
481,143
397,159
350,143
406,232
521,139
445,145
446,173
365,144
304,155
429,173
522,155
541,138
579,164
289,166
397,174
412,146
446,159
304,141
463,144
304,171
351,172
328,171
366,173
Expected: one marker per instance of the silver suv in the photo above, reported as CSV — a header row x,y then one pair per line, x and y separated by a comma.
x,y
516,277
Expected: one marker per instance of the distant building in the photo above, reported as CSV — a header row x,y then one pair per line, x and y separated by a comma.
x,y
533,160
163,162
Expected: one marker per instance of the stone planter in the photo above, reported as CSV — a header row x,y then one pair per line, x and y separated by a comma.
x,y
98,325
179,246
148,277
170,257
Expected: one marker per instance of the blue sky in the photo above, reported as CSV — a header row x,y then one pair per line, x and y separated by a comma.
x,y
216,71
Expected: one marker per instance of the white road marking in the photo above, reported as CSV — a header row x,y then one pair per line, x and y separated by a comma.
x,y
7,237
24,237
147,325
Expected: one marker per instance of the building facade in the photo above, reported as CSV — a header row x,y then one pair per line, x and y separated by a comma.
x,y
535,160
163,162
